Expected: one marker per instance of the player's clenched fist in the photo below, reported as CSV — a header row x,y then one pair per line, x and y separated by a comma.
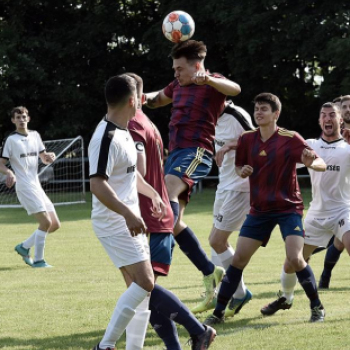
x,y
246,171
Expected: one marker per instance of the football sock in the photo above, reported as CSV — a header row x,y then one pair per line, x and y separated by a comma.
x,y
330,260
137,327
40,237
190,245
124,311
215,258
307,280
176,209
228,286
226,260
166,329
288,281
30,241
170,306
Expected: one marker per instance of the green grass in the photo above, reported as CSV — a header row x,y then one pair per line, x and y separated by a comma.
x,y
68,307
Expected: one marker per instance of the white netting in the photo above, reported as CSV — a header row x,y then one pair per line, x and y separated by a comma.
x,y
63,180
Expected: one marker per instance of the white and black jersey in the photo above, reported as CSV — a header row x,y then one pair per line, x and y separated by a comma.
x,y
23,151
112,155
233,121
330,189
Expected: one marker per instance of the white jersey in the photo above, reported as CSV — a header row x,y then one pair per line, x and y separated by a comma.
x,y
330,189
233,121
112,154
23,151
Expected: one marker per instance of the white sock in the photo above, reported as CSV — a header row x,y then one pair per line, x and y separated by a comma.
x,y
215,258
40,237
30,241
137,327
124,311
226,260
288,281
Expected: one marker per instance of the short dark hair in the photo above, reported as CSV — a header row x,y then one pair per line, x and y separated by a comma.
x,y
344,98
18,110
337,99
331,105
192,50
270,99
119,88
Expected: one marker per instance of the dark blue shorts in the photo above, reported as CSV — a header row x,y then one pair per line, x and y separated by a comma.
x,y
161,249
190,165
259,227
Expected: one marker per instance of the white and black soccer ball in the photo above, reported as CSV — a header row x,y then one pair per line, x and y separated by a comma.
x,y
178,26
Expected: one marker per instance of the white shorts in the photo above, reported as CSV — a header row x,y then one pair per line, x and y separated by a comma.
x,y
124,250
319,230
230,210
35,200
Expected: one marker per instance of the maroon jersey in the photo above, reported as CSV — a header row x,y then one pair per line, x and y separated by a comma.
x,y
274,186
143,130
194,114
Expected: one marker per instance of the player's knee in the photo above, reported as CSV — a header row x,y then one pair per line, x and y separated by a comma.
x,y
216,243
55,225
295,263
146,284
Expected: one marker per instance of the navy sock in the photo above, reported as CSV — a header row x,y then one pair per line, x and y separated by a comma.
x,y
171,307
165,328
190,245
228,286
330,260
176,209
307,280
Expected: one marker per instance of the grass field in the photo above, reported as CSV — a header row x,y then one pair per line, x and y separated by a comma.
x,y
68,306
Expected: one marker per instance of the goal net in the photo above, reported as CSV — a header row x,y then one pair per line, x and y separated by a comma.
x,y
63,180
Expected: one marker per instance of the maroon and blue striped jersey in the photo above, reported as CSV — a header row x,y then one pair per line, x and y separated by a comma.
x,y
274,186
195,111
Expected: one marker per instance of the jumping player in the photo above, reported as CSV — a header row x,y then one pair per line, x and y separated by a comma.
x,y
166,308
197,99
22,149
275,200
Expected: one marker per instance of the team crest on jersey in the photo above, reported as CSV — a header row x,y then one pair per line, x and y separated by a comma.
x,y
263,153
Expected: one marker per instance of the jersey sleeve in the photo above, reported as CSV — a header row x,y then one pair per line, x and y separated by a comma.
x,y
102,155
299,144
6,149
137,132
41,146
241,154
168,91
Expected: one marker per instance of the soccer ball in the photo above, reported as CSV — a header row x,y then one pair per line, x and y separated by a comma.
x,y
178,26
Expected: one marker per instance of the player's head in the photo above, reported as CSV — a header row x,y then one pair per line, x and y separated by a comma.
x,y
20,117
188,58
345,108
139,87
337,101
267,108
120,91
330,120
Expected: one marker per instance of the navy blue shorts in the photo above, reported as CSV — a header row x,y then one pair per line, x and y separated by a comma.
x,y
161,248
259,227
190,165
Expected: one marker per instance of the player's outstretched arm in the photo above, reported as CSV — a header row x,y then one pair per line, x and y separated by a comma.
x,y
225,86
105,194
159,208
10,176
156,99
308,158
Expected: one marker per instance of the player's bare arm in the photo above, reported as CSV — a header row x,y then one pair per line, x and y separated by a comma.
x,y
156,99
219,157
10,176
225,86
105,194
159,208
141,162
47,157
244,171
308,158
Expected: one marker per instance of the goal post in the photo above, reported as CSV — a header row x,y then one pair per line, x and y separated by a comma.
x,y
63,180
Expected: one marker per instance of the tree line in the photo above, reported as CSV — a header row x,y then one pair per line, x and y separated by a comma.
x,y
55,56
